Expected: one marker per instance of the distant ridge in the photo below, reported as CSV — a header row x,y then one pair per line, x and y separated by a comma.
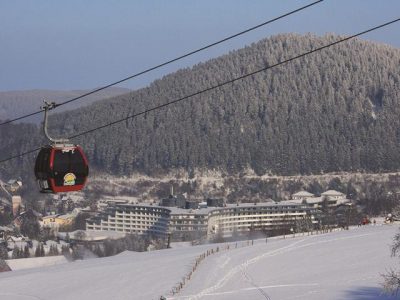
x,y
16,103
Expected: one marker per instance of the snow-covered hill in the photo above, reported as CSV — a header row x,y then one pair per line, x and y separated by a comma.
x,y
338,265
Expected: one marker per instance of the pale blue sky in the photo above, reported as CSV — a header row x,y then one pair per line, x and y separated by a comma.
x,y
54,44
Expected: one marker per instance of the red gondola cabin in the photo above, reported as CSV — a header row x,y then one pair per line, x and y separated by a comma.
x,y
61,168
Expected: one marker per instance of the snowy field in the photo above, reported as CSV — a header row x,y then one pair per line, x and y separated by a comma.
x,y
339,265
35,262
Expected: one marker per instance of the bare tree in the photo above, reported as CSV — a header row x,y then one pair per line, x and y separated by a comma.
x,y
391,282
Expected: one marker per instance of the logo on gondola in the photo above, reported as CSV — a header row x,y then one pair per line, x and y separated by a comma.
x,y
69,179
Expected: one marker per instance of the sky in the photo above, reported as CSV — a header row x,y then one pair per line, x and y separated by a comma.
x,y
74,44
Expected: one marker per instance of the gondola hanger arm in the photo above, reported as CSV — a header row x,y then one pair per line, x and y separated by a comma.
x,y
46,107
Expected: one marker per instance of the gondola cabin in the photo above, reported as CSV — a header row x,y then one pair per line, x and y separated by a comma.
x,y
61,168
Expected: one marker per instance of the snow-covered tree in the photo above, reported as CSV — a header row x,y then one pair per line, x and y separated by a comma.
x,y
3,252
17,253
53,251
392,278
39,252
3,266
26,252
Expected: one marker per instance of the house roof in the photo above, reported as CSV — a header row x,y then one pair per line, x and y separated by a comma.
x,y
67,216
296,201
6,228
303,194
332,193
314,200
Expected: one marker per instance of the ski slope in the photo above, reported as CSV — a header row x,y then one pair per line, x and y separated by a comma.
x,y
338,265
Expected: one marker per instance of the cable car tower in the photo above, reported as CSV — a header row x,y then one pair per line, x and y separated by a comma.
x,y
60,166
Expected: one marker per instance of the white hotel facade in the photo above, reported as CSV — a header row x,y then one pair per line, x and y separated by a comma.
x,y
203,222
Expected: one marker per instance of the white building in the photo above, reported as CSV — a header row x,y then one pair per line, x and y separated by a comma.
x,y
130,218
331,197
302,195
266,216
196,223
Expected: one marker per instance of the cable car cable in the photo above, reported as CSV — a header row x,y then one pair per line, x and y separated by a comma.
x,y
217,86
167,62
233,80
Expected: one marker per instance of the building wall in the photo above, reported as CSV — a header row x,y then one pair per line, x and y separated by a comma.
x,y
195,223
16,204
132,219
243,219
188,226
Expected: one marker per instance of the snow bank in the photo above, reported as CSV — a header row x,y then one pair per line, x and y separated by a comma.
x,y
35,262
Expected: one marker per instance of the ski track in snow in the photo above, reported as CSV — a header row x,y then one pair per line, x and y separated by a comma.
x,y
211,291
235,270
251,289
250,280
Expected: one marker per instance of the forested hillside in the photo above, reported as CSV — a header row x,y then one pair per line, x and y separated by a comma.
x,y
335,110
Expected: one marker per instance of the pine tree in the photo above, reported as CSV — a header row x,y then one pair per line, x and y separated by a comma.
x,y
3,266
3,252
30,227
15,254
65,250
42,253
98,251
37,251
56,251
26,252
53,251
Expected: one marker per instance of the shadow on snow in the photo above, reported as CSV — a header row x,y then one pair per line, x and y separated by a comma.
x,y
367,293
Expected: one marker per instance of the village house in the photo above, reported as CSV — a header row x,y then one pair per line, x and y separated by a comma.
x,y
331,198
56,221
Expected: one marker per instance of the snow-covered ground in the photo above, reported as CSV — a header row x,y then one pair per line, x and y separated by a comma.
x,y
338,265
35,262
